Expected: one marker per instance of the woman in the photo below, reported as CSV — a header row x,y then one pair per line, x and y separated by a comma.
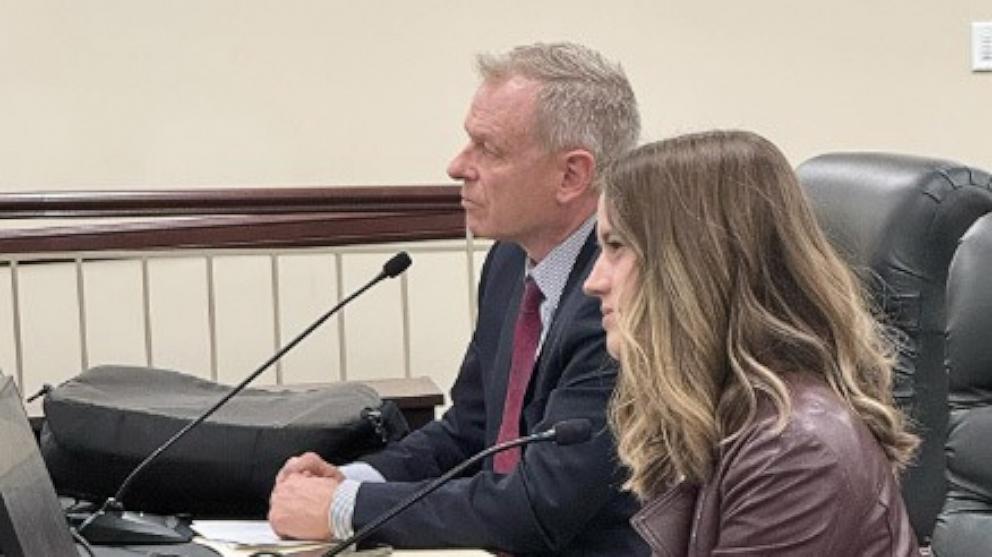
x,y
753,406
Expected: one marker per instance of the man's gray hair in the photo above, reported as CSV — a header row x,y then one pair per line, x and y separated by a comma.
x,y
585,101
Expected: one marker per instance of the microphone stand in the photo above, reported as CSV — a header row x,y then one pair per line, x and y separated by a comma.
x,y
125,528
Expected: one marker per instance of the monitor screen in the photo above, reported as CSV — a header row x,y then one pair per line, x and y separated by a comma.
x,y
31,519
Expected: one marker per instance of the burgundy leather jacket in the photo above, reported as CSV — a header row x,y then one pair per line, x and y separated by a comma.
x,y
821,487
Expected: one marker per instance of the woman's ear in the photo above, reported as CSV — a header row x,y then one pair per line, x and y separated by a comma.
x,y
578,173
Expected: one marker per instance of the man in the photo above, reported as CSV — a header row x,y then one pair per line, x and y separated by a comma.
x,y
544,121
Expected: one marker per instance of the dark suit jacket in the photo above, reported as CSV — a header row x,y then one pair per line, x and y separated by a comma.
x,y
559,500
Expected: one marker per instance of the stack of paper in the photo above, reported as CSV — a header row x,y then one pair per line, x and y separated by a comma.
x,y
242,538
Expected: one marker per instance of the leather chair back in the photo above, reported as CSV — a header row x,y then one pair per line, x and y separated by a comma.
x,y
897,219
964,527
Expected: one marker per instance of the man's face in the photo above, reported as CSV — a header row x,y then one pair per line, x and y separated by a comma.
x,y
509,179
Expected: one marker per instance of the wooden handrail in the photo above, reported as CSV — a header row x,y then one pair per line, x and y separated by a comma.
x,y
217,201
233,218
227,218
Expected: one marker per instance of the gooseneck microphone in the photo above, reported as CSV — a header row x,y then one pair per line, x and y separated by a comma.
x,y
112,525
565,432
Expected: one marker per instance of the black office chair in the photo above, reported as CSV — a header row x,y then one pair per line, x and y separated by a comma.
x,y
964,527
897,219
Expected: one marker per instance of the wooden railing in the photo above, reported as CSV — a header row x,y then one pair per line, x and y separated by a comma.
x,y
233,218
109,225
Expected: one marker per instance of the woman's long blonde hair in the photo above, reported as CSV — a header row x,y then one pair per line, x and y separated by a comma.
x,y
736,286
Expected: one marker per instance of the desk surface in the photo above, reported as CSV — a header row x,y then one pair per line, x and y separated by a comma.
x,y
442,552
395,553
249,530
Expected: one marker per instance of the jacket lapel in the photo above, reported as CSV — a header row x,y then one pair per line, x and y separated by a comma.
x,y
665,523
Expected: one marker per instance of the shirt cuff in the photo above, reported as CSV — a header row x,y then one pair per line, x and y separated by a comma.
x,y
343,508
362,472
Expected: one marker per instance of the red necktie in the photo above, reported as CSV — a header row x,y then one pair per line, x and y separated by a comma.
x,y
526,334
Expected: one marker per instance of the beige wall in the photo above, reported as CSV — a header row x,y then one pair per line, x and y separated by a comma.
x,y
165,93
179,93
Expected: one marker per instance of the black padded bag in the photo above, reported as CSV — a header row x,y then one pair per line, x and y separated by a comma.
x,y
101,424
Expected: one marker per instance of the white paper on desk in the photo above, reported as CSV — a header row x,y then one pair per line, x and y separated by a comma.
x,y
225,549
242,532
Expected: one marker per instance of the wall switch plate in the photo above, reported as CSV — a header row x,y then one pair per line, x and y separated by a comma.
x,y
981,46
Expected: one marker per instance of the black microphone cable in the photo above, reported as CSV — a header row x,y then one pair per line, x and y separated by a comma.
x,y
393,267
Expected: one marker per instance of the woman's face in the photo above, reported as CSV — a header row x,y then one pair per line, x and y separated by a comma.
x,y
615,269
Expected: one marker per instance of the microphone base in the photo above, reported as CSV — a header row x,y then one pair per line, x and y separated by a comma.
x,y
133,528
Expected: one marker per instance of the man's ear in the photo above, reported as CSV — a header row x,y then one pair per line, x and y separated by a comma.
x,y
578,172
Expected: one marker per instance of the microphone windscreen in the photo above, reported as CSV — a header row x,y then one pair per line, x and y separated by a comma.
x,y
570,432
396,264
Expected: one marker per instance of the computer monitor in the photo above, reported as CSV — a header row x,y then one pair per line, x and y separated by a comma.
x,y
31,518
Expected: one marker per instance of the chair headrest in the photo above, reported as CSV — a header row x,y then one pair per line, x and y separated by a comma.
x,y
969,317
887,211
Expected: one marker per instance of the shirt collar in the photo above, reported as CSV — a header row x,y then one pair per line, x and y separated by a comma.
x,y
551,273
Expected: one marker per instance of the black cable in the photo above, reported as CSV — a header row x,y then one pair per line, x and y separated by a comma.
x,y
392,268
82,541
45,389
